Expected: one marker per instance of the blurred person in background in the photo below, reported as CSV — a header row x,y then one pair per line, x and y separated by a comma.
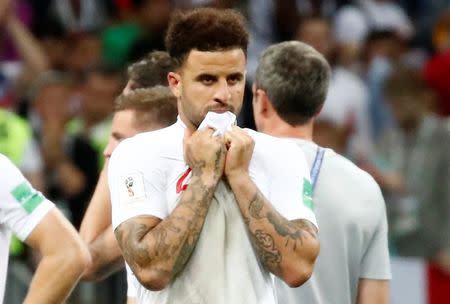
x,y
387,15
75,16
347,101
437,69
83,52
70,162
289,91
94,104
414,174
35,220
382,50
152,17
22,57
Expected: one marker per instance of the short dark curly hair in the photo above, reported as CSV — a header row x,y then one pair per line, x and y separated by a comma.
x,y
205,29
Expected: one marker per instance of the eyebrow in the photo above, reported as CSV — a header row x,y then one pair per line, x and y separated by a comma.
x,y
203,75
237,74
117,135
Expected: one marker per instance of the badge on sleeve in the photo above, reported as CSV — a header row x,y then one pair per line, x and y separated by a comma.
x,y
27,197
307,194
132,187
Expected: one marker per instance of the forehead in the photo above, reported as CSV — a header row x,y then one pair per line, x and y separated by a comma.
x,y
217,62
123,119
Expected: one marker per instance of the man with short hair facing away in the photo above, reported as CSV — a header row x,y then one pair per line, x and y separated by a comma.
x,y
353,266
35,220
191,205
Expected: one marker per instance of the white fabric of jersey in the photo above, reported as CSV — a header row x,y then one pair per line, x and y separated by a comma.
x,y
131,283
143,175
21,210
351,212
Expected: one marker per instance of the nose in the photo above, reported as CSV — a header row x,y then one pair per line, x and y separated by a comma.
x,y
223,93
109,149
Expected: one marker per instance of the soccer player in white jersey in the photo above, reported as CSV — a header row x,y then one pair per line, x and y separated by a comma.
x,y
35,220
144,109
353,266
163,182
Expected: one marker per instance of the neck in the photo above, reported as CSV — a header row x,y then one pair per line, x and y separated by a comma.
x,y
283,129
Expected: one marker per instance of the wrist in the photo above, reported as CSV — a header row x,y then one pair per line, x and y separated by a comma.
x,y
237,178
208,178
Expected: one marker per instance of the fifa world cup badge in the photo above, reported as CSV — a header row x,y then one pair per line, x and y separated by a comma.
x,y
132,187
129,184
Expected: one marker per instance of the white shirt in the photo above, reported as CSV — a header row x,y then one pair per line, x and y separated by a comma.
x,y
21,210
351,212
144,172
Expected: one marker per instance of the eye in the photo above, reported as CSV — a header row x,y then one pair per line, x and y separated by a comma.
x,y
207,79
234,79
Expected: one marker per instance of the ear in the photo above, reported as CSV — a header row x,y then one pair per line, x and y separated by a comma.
x,y
174,80
261,103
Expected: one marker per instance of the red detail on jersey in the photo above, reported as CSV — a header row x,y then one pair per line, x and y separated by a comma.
x,y
180,186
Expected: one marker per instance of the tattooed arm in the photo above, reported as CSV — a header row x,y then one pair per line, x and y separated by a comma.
x,y
287,248
157,250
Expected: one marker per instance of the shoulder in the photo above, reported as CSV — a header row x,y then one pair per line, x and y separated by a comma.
x,y
345,172
271,144
158,143
276,153
7,168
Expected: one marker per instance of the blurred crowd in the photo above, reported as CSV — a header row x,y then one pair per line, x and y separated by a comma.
x,y
63,62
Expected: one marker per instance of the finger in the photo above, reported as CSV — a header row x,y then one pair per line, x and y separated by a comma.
x,y
238,135
206,132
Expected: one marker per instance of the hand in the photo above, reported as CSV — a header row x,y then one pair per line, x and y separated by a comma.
x,y
240,147
204,153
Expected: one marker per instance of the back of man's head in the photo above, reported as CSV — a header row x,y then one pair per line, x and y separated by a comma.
x,y
295,77
155,106
151,70
205,29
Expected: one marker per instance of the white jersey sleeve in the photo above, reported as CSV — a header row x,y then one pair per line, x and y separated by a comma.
x,y
136,182
131,281
288,187
21,206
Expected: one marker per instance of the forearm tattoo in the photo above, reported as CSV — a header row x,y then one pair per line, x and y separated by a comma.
x,y
292,232
167,246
